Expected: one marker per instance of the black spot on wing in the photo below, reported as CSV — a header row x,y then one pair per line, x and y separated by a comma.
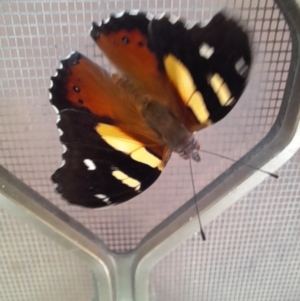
x,y
79,185
125,40
76,89
59,87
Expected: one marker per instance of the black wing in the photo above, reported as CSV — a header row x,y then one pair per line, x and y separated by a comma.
x,y
95,174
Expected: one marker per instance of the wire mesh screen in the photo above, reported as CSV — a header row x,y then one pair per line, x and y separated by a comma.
x,y
35,35
252,250
35,268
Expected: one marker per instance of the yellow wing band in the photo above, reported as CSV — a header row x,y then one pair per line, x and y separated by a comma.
x,y
131,182
126,144
181,78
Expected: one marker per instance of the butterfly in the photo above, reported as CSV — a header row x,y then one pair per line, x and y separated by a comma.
x,y
118,131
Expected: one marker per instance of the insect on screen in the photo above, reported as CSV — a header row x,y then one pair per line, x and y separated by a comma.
x,y
242,257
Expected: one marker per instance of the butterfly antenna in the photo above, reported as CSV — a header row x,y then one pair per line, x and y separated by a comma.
x,y
233,160
197,209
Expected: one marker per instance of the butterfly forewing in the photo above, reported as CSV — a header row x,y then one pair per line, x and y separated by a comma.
x,y
217,58
103,164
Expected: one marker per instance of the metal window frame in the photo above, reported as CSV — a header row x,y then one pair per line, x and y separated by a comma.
x,y
111,271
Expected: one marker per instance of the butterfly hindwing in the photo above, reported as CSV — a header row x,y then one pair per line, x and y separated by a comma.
x,y
82,84
95,174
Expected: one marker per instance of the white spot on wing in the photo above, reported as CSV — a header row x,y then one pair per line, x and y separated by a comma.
x,y
103,198
63,162
55,108
56,73
149,16
98,24
106,20
204,23
57,118
51,84
50,96
89,164
241,67
206,51
173,19
60,132
134,12
68,56
64,148
159,16
120,14
100,196
189,25
60,66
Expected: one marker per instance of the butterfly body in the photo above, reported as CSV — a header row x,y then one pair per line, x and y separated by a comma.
x,y
119,130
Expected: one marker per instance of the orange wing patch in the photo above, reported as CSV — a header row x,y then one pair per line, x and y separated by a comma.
x,y
125,42
83,85
136,59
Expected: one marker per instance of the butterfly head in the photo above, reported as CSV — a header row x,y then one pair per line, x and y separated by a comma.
x,y
190,149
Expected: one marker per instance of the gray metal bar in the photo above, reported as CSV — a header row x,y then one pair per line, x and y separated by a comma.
x,y
124,277
27,205
272,152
